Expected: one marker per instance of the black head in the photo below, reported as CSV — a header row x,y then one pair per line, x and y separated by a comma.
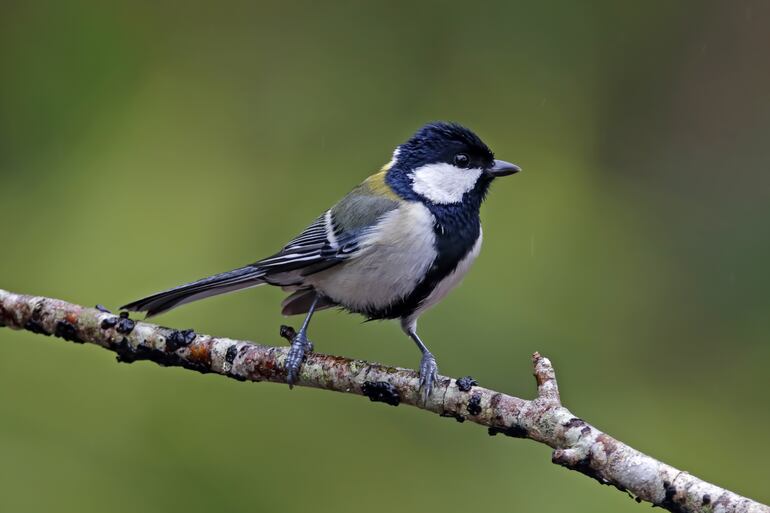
x,y
447,143
445,163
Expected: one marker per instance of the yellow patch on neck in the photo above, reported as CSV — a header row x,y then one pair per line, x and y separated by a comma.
x,y
377,184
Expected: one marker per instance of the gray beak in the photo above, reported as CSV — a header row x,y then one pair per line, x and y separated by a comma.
x,y
502,168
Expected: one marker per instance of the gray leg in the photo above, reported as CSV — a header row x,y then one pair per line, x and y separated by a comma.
x,y
300,346
428,367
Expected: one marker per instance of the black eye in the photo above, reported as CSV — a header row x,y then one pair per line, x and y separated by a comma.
x,y
462,160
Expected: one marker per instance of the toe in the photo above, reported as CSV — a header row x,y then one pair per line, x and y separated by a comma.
x,y
428,375
426,390
294,358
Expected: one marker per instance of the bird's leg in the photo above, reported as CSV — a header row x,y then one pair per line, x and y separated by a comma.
x,y
428,366
300,346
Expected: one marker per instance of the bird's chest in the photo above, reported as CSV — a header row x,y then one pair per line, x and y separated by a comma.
x,y
413,259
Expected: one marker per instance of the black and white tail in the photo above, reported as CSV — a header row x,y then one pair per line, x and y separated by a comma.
x,y
230,281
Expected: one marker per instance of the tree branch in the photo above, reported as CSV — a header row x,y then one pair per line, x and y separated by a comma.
x,y
577,445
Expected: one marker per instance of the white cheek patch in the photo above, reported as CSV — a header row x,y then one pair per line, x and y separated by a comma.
x,y
444,183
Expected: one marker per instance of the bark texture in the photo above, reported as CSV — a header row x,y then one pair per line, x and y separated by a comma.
x,y
577,445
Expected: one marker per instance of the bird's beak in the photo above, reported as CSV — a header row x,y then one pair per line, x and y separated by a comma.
x,y
502,168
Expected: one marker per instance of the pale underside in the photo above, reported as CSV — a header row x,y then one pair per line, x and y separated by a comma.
x,y
391,261
388,265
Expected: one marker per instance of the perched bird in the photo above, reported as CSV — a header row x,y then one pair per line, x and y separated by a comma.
x,y
390,249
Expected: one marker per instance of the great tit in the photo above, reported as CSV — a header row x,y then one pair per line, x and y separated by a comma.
x,y
393,247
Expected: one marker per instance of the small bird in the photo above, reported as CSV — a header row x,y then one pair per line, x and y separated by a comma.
x,y
393,247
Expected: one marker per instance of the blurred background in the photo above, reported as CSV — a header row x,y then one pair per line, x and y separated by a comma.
x,y
146,144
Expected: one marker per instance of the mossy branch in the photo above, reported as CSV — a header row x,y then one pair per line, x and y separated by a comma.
x,y
577,445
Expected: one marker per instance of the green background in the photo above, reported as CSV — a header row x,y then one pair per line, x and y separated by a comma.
x,y
145,144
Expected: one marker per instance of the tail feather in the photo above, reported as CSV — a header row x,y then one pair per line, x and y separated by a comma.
x,y
236,279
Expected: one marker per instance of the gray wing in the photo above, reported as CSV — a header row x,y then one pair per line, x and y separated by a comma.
x,y
318,247
331,239
344,227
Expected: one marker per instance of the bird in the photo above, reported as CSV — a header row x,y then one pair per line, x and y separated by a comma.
x,y
391,248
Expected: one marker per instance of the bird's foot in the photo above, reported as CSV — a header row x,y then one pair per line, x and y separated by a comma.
x,y
300,346
428,374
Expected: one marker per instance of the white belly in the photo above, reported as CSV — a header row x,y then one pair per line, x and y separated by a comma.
x,y
389,264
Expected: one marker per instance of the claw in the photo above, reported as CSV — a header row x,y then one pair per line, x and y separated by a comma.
x,y
300,346
428,375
